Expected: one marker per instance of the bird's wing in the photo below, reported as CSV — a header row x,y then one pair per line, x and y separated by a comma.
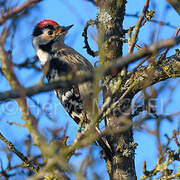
x,y
75,99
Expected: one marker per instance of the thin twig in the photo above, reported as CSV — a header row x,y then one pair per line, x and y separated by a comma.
x,y
15,11
146,51
137,27
139,64
84,34
19,154
92,1
126,41
153,21
166,51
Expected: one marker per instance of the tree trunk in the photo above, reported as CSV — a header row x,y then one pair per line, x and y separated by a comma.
x,y
110,30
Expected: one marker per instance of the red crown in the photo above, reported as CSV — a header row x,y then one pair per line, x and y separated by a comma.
x,y
46,22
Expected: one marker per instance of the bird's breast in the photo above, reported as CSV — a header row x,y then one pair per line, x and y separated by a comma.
x,y
43,56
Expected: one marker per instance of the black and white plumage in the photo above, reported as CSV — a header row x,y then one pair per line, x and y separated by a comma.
x,y
57,60
70,98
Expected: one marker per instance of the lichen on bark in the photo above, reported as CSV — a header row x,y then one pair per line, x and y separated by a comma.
x,y
110,24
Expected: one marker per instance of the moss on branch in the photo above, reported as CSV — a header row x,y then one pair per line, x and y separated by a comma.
x,y
152,74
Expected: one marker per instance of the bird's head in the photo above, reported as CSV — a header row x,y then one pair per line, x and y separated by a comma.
x,y
47,32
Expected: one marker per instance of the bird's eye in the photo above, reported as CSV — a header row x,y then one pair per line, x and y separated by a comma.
x,y
50,32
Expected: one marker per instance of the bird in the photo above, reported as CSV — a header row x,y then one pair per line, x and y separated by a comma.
x,y
58,60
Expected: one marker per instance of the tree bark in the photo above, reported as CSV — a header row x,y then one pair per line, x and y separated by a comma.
x,y
175,4
110,30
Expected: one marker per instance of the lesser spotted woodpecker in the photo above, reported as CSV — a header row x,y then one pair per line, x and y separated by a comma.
x,y
57,60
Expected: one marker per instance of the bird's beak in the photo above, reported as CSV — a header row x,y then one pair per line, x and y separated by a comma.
x,y
61,31
68,27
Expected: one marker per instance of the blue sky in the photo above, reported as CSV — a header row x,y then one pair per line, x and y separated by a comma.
x,y
77,13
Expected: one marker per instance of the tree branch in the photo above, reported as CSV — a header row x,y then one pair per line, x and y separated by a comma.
x,y
152,74
29,119
93,2
19,154
137,27
110,70
84,34
14,93
175,4
162,23
17,10
147,51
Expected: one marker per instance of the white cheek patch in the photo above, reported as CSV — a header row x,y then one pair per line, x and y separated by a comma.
x,y
43,56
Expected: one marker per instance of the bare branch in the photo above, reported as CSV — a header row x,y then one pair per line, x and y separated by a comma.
x,y
17,10
136,28
13,94
113,69
93,2
84,34
147,51
175,4
28,117
18,153
162,23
